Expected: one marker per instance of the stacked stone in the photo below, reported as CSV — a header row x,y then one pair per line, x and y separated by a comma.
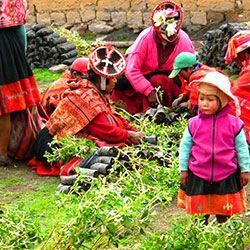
x,y
47,48
215,45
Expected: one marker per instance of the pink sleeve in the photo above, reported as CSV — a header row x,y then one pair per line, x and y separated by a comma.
x,y
134,75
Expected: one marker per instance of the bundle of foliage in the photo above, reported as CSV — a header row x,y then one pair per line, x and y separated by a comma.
x,y
82,46
119,209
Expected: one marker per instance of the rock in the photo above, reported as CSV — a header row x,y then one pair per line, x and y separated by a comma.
x,y
100,27
58,68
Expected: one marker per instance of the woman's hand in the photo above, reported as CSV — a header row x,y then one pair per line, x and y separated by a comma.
x,y
184,177
176,102
152,99
244,178
135,137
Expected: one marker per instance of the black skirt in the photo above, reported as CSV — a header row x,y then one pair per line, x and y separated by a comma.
x,y
199,186
13,63
42,144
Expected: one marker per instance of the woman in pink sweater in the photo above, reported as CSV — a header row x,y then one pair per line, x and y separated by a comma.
x,y
150,61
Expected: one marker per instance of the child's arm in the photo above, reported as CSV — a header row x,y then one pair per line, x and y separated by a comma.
x,y
184,151
184,154
243,156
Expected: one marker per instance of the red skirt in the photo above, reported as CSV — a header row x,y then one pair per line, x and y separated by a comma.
x,y
18,88
135,102
226,204
225,197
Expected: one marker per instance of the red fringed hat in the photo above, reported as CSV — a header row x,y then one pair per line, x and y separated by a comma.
x,y
239,42
165,11
107,61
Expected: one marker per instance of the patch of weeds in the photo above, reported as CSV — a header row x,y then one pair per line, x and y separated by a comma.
x,y
18,229
89,37
45,77
191,233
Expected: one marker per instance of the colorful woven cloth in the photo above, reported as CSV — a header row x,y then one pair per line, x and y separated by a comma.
x,y
227,204
13,12
241,89
77,109
55,93
25,127
239,42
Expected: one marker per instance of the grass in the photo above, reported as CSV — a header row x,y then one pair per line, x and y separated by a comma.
x,y
45,77
36,196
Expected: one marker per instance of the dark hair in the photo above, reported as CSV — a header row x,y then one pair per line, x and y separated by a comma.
x,y
92,76
247,50
186,68
75,71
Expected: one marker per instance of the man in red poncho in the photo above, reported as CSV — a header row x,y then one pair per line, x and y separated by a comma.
x,y
239,51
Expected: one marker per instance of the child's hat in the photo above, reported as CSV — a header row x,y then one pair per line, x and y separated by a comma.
x,y
183,60
218,84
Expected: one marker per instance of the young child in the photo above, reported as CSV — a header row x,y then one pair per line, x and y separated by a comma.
x,y
214,156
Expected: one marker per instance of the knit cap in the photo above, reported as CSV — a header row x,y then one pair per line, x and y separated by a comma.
x,y
81,65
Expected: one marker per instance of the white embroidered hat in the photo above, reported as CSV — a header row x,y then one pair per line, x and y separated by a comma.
x,y
221,82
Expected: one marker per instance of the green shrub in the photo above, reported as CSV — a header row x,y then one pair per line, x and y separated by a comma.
x,y
82,46
18,229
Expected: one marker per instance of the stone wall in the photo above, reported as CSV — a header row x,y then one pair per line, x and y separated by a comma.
x,y
105,16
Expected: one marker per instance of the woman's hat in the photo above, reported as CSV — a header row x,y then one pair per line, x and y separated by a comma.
x,y
107,61
214,81
167,17
238,43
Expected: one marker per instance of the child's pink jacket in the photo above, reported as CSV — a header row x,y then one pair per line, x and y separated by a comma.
x,y
213,156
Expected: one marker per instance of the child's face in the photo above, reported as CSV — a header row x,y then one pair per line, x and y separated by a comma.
x,y
208,104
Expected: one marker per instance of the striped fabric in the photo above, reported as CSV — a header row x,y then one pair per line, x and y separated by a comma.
x,y
55,93
239,42
25,127
76,110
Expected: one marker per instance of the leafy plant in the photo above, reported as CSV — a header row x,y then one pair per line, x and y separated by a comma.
x,y
67,147
18,230
193,234
83,47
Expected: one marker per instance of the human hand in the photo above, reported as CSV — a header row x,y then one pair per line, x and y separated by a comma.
x,y
244,178
176,102
152,99
135,137
184,177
